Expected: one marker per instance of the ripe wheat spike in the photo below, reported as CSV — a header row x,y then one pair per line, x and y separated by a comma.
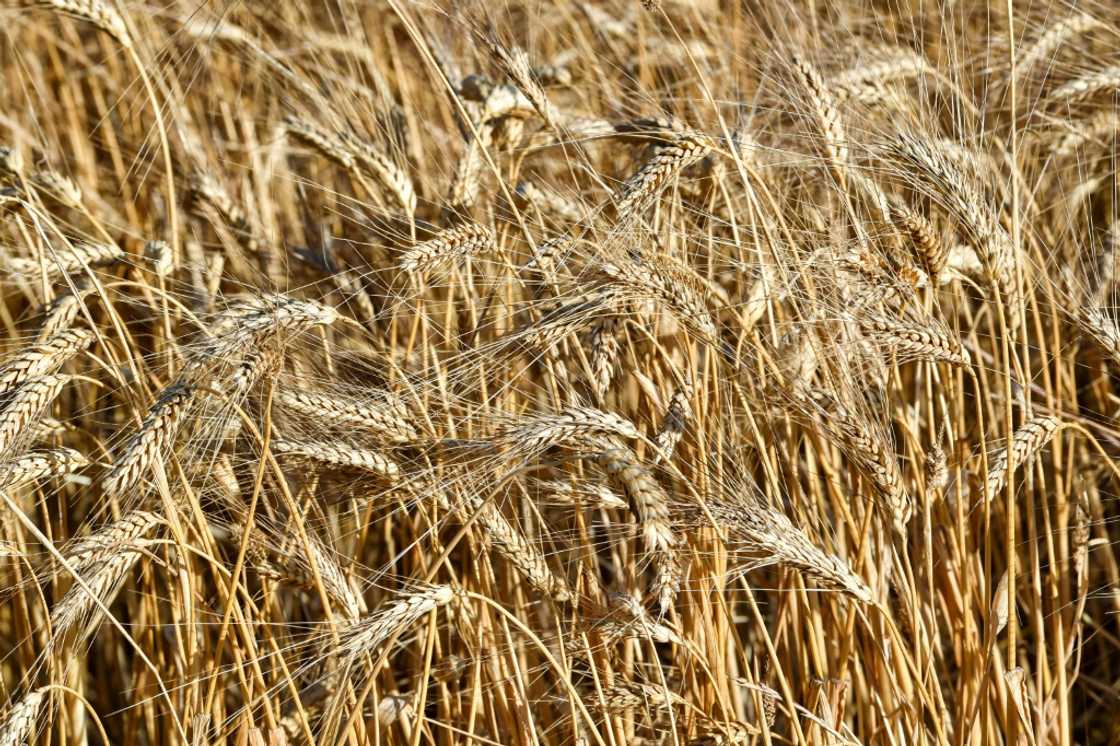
x,y
548,373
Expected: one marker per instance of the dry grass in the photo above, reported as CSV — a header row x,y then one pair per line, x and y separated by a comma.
x,y
548,373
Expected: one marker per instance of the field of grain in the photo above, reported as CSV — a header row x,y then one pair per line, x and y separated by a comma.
x,y
597,373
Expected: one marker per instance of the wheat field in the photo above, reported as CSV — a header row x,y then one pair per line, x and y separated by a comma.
x,y
597,373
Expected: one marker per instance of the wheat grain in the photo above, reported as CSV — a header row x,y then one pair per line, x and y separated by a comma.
x,y
948,185
650,505
1080,540
58,186
604,356
152,441
929,249
46,357
97,12
677,416
366,635
570,425
1087,85
589,494
385,415
1053,37
885,65
59,314
754,528
521,553
1101,328
1102,126
548,201
635,695
335,582
39,465
249,327
468,173
104,579
655,282
464,240
391,176
863,445
159,257
68,260
337,454
827,116
100,545
19,726
1027,441
327,143
516,64
11,162
923,341
683,150
936,470
26,404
